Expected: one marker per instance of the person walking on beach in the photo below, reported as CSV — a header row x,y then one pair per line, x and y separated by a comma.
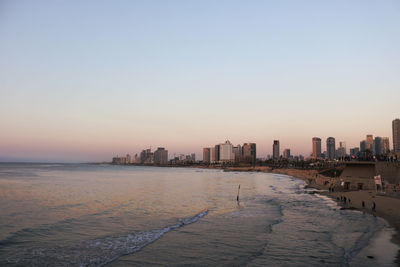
x,y
373,207
363,206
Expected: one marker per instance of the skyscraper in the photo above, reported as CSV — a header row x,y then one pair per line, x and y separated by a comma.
x,y
286,153
161,156
316,143
363,146
341,151
206,155
226,152
330,148
396,135
249,150
238,151
275,150
212,154
385,145
378,146
217,151
370,143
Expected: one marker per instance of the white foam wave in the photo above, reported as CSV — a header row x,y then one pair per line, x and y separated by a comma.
x,y
95,252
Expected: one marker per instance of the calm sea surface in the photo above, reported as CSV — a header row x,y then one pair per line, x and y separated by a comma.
x,y
93,215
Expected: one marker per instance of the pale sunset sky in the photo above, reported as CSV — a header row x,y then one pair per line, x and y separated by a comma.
x,y
87,80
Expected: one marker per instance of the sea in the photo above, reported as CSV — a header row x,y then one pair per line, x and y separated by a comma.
x,y
105,215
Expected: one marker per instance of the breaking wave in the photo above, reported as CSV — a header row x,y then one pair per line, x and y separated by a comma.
x,y
96,252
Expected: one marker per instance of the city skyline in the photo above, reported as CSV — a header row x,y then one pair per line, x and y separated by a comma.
x,y
82,81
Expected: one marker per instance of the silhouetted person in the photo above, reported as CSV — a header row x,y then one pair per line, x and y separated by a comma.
x,y
373,207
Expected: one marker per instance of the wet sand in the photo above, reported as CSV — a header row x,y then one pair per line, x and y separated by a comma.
x,y
386,207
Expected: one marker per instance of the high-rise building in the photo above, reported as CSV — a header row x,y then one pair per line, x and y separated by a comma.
x,y
161,156
363,146
212,154
286,153
206,155
237,150
370,143
341,151
316,145
249,151
330,148
146,156
193,157
217,152
396,135
226,152
385,145
275,150
378,146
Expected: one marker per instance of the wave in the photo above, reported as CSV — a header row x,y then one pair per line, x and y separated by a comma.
x,y
97,252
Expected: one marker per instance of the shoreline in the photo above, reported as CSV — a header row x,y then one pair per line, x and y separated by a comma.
x,y
386,207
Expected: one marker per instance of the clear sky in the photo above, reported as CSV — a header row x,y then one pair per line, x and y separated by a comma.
x,y
87,80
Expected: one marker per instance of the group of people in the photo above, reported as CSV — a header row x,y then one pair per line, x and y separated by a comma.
x,y
344,200
347,201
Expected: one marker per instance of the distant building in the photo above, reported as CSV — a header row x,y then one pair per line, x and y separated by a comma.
x,y
212,154
370,143
161,156
286,153
249,151
146,156
226,152
354,152
206,155
378,146
275,150
330,148
396,135
341,151
363,146
193,157
128,159
316,143
237,151
119,160
217,152
385,145
136,159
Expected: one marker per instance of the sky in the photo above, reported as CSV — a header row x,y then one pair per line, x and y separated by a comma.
x,y
87,80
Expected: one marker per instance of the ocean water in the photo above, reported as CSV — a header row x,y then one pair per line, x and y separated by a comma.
x,y
96,215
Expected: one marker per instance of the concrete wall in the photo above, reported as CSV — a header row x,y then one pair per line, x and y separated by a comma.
x,y
358,175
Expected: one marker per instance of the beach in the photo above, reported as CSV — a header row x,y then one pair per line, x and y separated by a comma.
x,y
386,207
147,216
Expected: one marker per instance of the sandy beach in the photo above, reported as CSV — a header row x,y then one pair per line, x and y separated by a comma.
x,y
386,207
